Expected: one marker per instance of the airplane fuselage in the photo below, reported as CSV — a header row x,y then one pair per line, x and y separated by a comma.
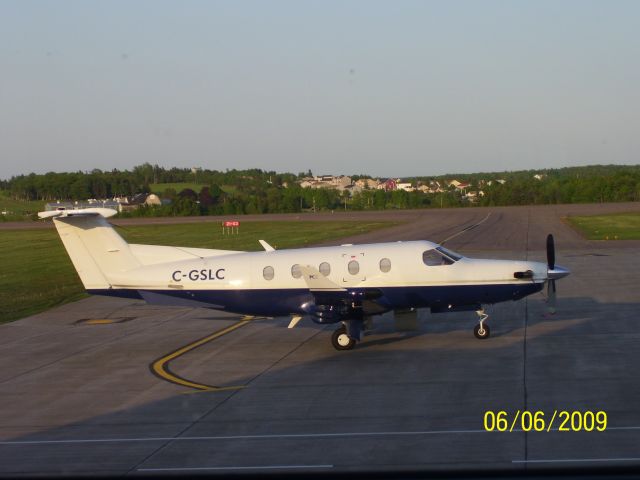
x,y
269,282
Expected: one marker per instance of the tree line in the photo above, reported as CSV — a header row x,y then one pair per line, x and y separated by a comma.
x,y
258,191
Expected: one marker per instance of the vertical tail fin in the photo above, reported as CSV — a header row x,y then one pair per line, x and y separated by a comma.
x,y
96,250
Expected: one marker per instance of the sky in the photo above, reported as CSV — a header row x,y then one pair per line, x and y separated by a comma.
x,y
392,88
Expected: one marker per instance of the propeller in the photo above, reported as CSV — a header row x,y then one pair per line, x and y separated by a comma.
x,y
551,282
551,252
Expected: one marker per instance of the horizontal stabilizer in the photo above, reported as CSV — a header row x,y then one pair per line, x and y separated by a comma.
x,y
105,212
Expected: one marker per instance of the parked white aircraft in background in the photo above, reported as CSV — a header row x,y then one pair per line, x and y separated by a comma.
x,y
345,284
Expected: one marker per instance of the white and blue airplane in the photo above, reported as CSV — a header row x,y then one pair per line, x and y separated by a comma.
x,y
345,284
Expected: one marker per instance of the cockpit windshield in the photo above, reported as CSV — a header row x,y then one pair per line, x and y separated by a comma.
x,y
439,256
452,255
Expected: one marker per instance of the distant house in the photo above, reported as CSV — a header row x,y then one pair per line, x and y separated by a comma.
x,y
539,176
128,204
407,187
342,182
473,196
371,183
433,186
388,185
327,181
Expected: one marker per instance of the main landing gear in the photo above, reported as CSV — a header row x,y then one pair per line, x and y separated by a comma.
x,y
341,340
345,337
482,331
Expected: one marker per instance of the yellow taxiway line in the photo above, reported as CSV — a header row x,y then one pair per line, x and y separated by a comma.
x,y
161,369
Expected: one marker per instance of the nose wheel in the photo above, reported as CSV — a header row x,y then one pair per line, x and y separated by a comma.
x,y
481,331
341,341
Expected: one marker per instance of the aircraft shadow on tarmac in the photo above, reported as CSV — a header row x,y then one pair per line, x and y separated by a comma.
x,y
417,384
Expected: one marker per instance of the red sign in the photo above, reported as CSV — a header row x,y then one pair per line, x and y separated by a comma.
x,y
234,223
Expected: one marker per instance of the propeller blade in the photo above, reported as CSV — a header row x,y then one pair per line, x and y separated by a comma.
x,y
551,252
551,296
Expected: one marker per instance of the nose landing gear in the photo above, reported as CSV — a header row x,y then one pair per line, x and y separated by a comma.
x,y
481,331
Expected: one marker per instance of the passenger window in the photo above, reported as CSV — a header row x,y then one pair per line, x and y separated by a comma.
x,y
385,265
295,271
353,267
268,273
433,258
325,269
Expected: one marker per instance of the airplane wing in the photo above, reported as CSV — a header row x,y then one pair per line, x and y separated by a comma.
x,y
317,282
333,301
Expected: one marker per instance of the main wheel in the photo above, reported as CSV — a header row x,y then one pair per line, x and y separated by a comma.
x,y
482,333
341,341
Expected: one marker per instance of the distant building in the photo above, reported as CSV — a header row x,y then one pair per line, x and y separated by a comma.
x,y
407,187
152,200
371,183
388,185
121,204
327,181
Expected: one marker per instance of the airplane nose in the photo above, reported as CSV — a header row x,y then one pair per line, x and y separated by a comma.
x,y
557,272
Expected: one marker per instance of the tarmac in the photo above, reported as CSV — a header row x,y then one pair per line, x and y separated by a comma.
x,y
114,387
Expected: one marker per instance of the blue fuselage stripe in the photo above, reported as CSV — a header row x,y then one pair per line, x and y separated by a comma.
x,y
278,302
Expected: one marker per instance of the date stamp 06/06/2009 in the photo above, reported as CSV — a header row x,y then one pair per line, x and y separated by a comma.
x,y
539,421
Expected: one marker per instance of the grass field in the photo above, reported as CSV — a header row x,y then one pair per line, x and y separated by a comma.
x,y
17,209
619,226
37,274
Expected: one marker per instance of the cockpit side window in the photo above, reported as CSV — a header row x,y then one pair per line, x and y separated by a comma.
x,y
434,258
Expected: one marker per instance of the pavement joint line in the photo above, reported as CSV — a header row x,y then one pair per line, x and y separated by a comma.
x,y
466,229
575,460
256,467
160,367
238,437
272,436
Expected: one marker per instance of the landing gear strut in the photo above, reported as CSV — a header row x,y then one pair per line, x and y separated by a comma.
x,y
481,331
341,340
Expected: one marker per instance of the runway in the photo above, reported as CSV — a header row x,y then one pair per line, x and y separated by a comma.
x,y
80,396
